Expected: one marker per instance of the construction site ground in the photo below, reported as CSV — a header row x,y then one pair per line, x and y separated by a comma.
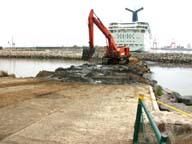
x,y
35,111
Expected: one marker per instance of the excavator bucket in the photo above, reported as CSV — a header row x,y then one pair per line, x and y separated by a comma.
x,y
87,53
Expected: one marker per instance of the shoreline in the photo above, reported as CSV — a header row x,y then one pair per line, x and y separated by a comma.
x,y
76,54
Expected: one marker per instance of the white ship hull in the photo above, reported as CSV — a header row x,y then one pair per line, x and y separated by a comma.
x,y
135,35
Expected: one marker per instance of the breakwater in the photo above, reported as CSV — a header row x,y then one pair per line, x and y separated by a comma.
x,y
76,53
42,54
175,58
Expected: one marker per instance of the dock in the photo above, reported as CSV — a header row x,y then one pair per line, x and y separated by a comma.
x,y
35,111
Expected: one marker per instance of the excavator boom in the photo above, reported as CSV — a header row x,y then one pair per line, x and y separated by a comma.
x,y
93,19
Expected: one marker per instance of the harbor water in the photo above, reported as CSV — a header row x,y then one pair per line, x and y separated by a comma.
x,y
175,78
178,79
31,67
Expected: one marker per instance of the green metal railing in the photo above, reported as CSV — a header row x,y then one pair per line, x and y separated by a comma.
x,y
161,138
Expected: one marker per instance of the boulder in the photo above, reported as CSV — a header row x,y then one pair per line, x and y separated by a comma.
x,y
3,74
44,73
187,100
177,96
12,75
158,90
163,108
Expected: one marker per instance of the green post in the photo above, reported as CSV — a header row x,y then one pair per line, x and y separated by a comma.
x,y
151,121
137,122
163,139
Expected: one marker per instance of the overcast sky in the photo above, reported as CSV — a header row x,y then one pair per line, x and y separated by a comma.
x,y
64,22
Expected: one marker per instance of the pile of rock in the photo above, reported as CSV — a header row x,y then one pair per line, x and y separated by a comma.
x,y
135,72
177,58
5,74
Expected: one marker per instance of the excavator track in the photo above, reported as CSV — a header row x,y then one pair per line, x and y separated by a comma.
x,y
121,61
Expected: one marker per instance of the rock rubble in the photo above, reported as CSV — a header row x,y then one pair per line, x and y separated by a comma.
x,y
174,58
5,74
135,72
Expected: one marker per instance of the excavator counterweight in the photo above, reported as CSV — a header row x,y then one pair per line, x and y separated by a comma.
x,y
113,54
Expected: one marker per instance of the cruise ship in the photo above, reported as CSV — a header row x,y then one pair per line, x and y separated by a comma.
x,y
135,35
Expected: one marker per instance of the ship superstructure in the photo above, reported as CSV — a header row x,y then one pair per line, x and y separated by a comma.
x,y
136,35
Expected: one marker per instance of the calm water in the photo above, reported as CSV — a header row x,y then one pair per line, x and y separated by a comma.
x,y
30,67
178,79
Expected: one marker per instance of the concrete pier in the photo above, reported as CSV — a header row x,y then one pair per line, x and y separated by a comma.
x,y
39,111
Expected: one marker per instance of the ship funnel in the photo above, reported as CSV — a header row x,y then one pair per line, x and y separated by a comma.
x,y
135,16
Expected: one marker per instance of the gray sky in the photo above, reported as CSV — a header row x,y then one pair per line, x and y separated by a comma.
x,y
64,22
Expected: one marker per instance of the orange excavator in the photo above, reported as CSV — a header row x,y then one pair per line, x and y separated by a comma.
x,y
113,54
